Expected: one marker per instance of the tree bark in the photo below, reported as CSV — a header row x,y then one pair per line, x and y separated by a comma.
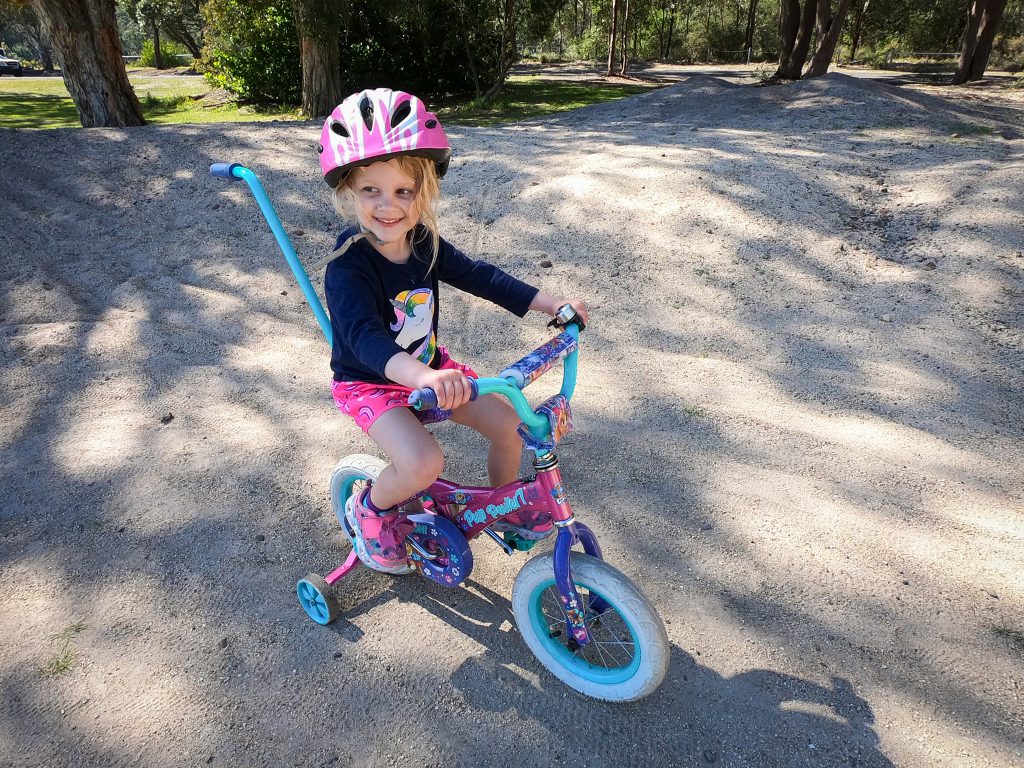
x,y
796,28
858,21
982,21
830,27
624,36
613,36
748,42
87,45
158,59
318,23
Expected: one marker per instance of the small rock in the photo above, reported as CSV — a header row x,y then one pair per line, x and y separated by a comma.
x,y
546,263
167,418
299,232
215,206
710,755
488,222
338,654
284,293
47,286
886,318
223,642
663,154
929,265
955,136
906,583
615,273
260,537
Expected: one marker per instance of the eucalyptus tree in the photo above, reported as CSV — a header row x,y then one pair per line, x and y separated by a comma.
x,y
87,47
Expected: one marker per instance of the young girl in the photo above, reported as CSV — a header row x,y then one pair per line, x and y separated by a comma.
x,y
384,154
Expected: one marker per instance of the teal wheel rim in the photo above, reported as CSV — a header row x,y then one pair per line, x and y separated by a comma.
x,y
313,602
613,655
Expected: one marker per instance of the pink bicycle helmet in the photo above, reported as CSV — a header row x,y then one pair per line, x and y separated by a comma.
x,y
377,125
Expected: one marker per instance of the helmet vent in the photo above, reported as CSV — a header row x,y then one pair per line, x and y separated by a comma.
x,y
366,110
431,123
339,129
401,112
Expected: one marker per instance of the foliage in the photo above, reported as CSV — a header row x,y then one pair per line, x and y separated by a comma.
x,y
252,50
170,52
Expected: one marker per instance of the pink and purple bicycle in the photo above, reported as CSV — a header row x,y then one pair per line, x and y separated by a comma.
x,y
586,622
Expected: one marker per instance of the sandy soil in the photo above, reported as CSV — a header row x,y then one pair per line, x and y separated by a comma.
x,y
799,428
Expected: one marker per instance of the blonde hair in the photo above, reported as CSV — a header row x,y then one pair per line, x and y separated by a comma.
x,y
423,172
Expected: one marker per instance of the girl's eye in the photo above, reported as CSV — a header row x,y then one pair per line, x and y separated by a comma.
x,y
369,190
407,192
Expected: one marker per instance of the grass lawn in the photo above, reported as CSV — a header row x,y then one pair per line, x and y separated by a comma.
x,y
43,102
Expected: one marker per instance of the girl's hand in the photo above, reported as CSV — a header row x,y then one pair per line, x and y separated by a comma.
x,y
452,387
579,306
545,302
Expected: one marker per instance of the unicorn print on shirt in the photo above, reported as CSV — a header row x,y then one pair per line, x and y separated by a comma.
x,y
414,322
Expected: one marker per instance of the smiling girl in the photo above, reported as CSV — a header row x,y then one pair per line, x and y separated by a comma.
x,y
384,154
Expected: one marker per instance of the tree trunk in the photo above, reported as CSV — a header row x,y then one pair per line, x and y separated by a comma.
x,y
748,43
613,36
858,21
87,45
672,29
624,36
796,29
158,59
318,23
508,48
830,26
982,21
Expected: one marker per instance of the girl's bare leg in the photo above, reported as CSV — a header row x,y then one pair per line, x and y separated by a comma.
x,y
496,420
416,458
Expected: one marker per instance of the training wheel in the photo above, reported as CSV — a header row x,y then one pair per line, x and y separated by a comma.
x,y
316,600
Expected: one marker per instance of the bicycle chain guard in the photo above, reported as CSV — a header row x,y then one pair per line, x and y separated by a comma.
x,y
441,537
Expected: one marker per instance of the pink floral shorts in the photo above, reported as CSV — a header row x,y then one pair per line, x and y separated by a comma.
x,y
366,402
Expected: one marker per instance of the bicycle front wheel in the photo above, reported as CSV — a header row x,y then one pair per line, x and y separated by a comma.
x,y
628,655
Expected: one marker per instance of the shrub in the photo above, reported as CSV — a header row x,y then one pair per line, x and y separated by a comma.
x,y
169,53
252,50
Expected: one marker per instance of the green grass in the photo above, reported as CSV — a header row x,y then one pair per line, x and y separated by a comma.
x,y
62,661
526,96
43,102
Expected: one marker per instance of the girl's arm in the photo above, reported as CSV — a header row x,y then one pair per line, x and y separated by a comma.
x,y
452,386
545,302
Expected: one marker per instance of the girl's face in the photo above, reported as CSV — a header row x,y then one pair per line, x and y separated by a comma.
x,y
385,204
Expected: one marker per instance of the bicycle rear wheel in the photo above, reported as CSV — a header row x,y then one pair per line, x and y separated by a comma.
x,y
628,655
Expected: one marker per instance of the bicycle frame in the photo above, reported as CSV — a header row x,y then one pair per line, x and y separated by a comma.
x,y
474,509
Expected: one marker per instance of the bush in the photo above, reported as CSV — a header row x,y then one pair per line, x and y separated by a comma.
x,y
252,50
169,54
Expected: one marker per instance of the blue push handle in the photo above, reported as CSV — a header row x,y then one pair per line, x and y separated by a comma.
x,y
236,172
225,171
426,398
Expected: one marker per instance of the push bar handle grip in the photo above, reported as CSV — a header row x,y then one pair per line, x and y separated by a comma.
x,y
225,171
426,398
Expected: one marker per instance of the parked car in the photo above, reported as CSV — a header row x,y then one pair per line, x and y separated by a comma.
x,y
9,66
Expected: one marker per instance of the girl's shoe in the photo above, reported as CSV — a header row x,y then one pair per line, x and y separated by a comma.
x,y
380,538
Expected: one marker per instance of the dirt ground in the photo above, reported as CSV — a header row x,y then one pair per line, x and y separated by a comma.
x,y
798,428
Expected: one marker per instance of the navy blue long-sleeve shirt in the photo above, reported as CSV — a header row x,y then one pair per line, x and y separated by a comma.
x,y
379,308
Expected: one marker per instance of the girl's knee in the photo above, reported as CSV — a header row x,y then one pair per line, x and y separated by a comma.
x,y
424,467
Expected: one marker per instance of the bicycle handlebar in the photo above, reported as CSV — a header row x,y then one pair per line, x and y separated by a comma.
x,y
225,171
510,386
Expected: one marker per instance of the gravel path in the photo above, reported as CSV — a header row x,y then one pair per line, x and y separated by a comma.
x,y
799,428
